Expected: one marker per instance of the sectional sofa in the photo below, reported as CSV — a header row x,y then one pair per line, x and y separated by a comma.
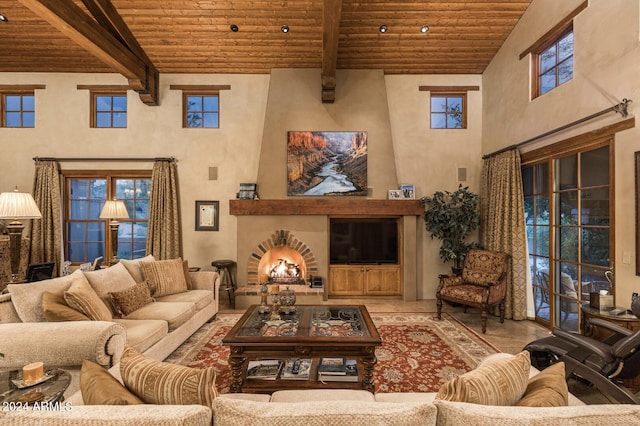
x,y
35,324
334,407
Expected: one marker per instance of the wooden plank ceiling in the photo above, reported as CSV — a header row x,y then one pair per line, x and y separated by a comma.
x,y
194,36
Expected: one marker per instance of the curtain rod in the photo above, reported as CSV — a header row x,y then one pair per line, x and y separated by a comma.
x,y
170,159
621,108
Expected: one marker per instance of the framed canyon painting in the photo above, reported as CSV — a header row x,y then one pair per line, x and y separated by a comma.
x,y
326,163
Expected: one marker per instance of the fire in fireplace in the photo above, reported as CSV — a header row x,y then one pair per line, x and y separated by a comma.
x,y
281,259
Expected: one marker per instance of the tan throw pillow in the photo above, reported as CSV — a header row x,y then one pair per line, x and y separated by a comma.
x,y
499,382
157,382
130,299
547,388
55,309
81,297
165,276
114,278
133,266
101,388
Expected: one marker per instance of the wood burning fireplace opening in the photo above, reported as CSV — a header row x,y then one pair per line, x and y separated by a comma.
x,y
281,259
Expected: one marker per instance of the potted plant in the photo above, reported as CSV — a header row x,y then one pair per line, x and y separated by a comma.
x,y
450,217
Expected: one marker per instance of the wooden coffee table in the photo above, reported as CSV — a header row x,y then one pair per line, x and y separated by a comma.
x,y
312,331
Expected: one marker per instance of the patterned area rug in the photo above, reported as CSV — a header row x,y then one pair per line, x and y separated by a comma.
x,y
418,354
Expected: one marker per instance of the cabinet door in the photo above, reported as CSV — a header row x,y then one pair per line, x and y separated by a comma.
x,y
382,280
346,281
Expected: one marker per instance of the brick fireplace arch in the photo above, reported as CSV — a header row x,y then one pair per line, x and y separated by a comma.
x,y
280,238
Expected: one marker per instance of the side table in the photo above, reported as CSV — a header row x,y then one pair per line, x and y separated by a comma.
x,y
628,321
49,391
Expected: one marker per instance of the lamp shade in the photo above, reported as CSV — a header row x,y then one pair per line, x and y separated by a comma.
x,y
18,205
114,209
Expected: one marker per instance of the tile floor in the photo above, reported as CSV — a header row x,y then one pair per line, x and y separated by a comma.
x,y
509,337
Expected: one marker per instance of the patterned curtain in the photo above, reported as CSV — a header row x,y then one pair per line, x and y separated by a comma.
x,y
164,239
46,233
502,226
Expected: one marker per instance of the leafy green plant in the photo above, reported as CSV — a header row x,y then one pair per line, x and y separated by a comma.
x,y
450,217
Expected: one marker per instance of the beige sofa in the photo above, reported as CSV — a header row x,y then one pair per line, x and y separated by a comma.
x,y
329,407
156,329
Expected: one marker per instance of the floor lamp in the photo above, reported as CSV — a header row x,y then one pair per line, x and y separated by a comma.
x,y
16,205
114,210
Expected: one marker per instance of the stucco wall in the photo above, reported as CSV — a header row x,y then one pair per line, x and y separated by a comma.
x,y
402,148
606,60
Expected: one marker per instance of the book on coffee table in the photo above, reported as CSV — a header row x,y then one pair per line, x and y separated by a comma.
x,y
264,369
289,372
348,372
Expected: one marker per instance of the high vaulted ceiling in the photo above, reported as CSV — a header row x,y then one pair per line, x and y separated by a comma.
x,y
194,36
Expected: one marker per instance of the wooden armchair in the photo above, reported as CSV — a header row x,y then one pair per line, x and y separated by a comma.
x,y
481,285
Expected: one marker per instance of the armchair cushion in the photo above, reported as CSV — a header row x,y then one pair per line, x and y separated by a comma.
x,y
484,267
471,294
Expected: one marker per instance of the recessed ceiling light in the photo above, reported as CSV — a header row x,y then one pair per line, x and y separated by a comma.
x,y
3,18
424,29
284,29
234,28
383,28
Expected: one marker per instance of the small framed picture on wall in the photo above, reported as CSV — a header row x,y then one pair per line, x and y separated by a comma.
x,y
408,192
395,194
207,215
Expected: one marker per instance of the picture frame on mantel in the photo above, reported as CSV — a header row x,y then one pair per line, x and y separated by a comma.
x,y
207,215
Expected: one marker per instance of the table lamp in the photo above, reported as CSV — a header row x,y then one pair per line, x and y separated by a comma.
x,y
114,210
16,205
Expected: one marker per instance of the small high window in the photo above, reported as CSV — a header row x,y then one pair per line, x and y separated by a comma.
x,y
202,111
448,111
554,64
18,110
109,110
200,105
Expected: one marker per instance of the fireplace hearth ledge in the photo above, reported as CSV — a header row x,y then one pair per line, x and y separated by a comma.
x,y
246,296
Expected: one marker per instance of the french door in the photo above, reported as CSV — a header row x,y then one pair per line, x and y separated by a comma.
x,y
568,212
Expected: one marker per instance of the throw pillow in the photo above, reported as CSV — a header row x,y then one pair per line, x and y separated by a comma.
x,y
157,382
114,278
55,309
101,388
81,297
133,266
499,382
130,299
547,389
165,276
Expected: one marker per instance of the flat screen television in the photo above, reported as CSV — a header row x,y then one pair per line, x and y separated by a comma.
x,y
40,271
363,241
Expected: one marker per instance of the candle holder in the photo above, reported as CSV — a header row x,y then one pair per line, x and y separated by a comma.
x,y
264,310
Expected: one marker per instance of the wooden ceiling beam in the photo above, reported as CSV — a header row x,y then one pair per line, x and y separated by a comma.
x,y
330,37
92,35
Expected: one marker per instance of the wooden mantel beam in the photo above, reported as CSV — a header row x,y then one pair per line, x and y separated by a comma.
x,y
110,44
330,36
